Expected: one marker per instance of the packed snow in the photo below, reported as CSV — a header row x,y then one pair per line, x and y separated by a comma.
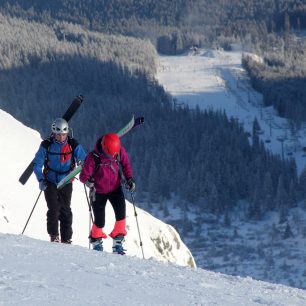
x,y
35,272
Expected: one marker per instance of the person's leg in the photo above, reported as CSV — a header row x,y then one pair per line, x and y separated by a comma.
x,y
97,233
53,211
98,207
118,203
65,216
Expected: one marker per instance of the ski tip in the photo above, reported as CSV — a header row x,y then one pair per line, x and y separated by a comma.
x,y
80,97
22,181
140,120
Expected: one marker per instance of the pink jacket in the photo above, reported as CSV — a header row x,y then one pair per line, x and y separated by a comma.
x,y
106,178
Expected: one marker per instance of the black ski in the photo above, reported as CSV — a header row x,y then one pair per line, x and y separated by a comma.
x,y
138,121
75,104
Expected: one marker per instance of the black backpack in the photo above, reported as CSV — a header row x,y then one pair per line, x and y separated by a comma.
x,y
47,144
98,164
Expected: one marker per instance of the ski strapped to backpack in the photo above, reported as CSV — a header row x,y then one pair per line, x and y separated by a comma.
x,y
75,104
133,123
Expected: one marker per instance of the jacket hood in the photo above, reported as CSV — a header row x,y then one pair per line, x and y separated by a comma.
x,y
98,149
98,146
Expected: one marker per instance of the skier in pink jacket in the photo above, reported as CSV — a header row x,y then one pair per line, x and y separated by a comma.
x,y
103,171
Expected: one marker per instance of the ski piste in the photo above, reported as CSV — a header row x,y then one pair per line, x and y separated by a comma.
x,y
75,104
129,126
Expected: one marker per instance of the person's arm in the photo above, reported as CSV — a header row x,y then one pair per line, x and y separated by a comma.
x,y
79,154
39,161
125,163
87,169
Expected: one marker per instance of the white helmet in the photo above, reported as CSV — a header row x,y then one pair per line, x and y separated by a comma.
x,y
60,126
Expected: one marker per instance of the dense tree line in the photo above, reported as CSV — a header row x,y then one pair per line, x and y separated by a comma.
x,y
282,85
264,27
204,157
171,25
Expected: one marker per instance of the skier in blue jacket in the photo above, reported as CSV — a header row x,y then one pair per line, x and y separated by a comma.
x,y
55,158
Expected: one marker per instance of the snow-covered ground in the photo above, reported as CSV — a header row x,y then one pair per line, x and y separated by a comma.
x,y
18,146
215,79
35,272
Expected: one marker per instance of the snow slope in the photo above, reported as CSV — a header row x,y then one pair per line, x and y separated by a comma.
x,y
216,79
18,146
35,272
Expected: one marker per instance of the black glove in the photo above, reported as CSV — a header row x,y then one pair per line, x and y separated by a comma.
x,y
92,192
130,185
90,184
42,185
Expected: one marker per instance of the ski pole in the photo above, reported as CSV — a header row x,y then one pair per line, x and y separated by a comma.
x,y
31,212
89,229
135,214
89,204
90,213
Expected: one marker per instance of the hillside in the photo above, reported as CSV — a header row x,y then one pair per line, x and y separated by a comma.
x,y
175,26
151,19
47,70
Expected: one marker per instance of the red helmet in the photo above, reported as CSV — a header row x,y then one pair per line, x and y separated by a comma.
x,y
111,144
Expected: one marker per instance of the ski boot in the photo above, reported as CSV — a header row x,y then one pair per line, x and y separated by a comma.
x,y
97,244
54,238
66,241
117,245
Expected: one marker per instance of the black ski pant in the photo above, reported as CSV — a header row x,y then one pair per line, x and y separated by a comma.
x,y
117,200
59,211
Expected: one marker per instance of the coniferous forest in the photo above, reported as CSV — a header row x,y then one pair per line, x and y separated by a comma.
x,y
203,157
264,27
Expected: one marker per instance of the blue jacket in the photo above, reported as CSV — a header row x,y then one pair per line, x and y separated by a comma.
x,y
54,160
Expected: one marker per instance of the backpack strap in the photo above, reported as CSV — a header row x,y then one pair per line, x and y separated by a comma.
x,y
47,144
73,143
98,164
121,175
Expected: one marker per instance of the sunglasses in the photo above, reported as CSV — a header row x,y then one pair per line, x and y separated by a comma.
x,y
61,134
